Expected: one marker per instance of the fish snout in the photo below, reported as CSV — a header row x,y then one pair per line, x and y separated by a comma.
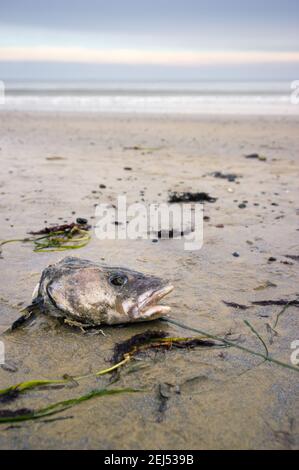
x,y
147,304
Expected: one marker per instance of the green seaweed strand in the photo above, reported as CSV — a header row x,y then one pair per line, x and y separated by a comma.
x,y
59,406
231,343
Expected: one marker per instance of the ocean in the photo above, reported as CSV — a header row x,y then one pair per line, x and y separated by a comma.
x,y
195,98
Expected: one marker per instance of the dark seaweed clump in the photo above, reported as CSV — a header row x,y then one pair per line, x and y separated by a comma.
x,y
154,339
190,197
120,349
276,302
79,224
12,414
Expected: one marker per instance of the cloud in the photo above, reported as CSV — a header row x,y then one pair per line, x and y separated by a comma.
x,y
144,57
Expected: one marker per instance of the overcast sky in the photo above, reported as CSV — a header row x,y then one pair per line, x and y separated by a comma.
x,y
151,39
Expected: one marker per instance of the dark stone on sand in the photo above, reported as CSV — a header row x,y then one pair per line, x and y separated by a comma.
x,y
236,254
271,259
242,206
102,186
81,221
227,176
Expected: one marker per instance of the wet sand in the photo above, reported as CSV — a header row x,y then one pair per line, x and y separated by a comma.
x,y
216,398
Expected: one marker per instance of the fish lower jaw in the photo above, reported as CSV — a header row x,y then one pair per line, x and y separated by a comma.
x,y
149,305
155,310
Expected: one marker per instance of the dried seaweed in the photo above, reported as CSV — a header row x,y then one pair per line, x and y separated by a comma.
x,y
265,303
152,339
58,238
125,347
60,228
190,197
235,305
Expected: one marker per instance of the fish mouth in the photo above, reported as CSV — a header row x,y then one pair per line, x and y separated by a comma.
x,y
148,302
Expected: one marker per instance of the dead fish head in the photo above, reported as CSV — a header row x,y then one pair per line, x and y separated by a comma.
x,y
93,293
137,294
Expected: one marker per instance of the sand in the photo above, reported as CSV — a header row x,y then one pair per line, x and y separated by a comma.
x,y
51,169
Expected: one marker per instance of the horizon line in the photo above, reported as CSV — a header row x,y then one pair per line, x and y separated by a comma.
x,y
144,57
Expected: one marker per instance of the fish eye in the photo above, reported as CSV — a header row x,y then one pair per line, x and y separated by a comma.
x,y
118,279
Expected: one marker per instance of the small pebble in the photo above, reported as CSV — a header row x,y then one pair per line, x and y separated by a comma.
x,y
81,221
236,254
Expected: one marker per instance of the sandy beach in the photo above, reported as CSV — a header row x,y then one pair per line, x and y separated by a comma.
x,y
52,166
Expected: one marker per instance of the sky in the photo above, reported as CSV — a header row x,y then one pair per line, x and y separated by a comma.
x,y
149,39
